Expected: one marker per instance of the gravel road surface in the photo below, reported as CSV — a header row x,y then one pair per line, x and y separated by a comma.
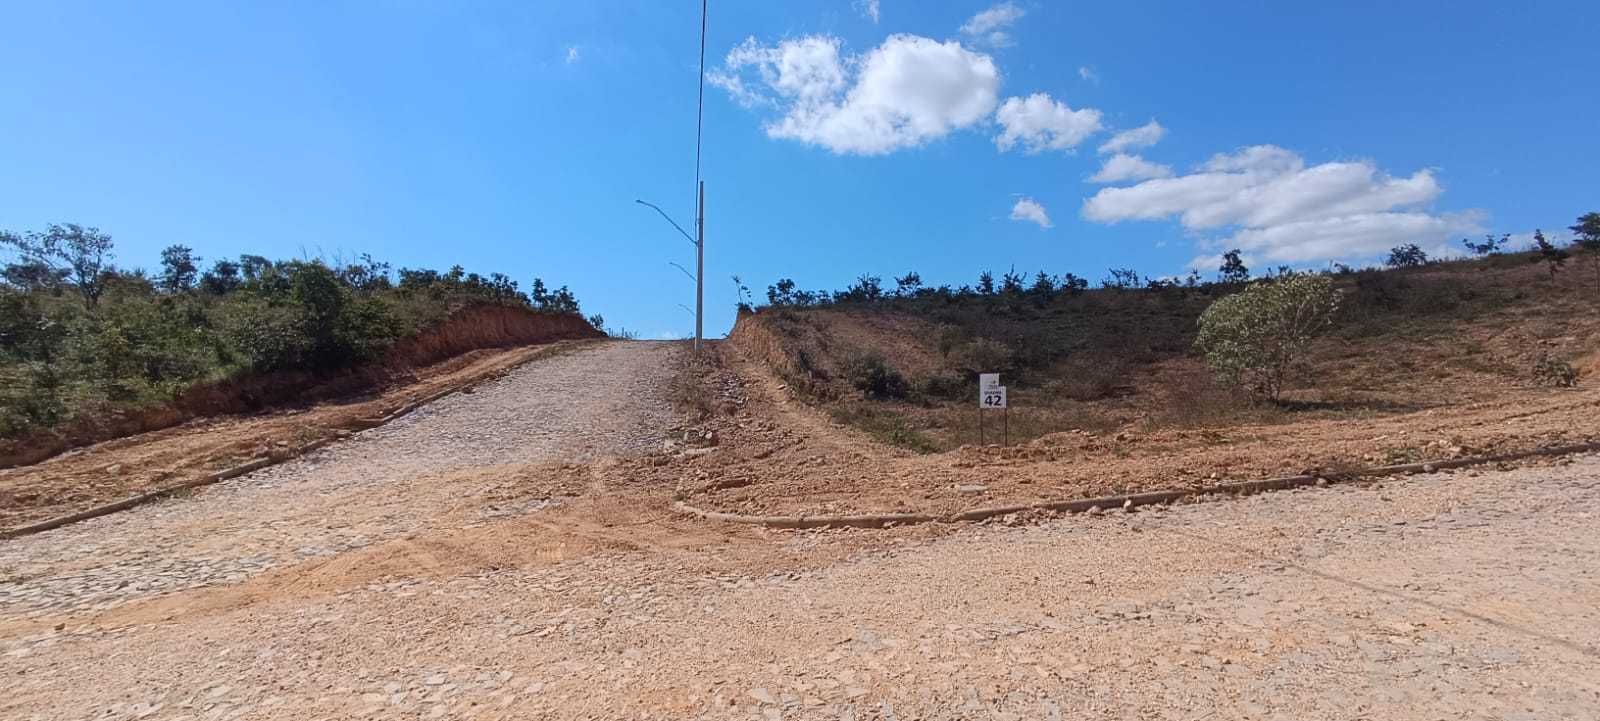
x,y
380,484
1445,596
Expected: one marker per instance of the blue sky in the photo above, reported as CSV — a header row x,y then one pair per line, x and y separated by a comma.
x,y
515,137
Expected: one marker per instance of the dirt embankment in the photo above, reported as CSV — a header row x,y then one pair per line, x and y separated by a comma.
x,y
472,328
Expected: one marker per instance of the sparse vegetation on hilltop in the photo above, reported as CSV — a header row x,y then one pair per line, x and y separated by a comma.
x,y
901,363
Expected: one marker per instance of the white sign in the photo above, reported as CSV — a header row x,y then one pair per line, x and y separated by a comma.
x,y
988,381
993,398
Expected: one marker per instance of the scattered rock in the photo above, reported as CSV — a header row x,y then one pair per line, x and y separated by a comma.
x,y
762,695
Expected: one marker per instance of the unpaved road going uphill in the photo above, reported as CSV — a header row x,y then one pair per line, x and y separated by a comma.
x,y
380,484
404,587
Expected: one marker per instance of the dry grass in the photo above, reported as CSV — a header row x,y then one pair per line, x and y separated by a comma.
x,y
1440,335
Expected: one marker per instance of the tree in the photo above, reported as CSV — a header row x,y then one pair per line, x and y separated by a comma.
x,y
1044,285
866,288
908,284
1407,256
180,268
1555,258
1073,285
1233,269
1121,279
782,293
1588,237
222,279
986,283
1250,338
68,252
742,293
1490,245
1011,282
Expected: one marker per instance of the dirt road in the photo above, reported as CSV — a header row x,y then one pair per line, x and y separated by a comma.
x,y
396,592
435,466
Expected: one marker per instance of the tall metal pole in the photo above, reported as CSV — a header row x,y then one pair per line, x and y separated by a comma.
x,y
700,190
700,270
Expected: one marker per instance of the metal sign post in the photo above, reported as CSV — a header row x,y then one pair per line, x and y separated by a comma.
x,y
992,396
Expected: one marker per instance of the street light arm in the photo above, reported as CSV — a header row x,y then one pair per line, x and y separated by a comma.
x,y
663,213
679,267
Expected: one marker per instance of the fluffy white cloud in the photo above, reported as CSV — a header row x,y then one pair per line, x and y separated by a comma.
x,y
991,26
1030,210
1122,167
1143,136
1281,211
868,8
901,94
1040,123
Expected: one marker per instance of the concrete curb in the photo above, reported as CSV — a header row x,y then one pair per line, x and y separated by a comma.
x,y
1120,501
255,464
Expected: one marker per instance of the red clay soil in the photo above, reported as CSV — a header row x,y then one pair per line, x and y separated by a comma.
x,y
778,455
471,328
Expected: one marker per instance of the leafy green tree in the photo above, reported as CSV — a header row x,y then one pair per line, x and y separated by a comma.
x,y
986,283
180,269
1409,255
67,252
1553,257
1233,269
1250,338
222,279
1587,232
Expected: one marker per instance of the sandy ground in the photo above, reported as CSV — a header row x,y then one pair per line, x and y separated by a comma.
x,y
487,557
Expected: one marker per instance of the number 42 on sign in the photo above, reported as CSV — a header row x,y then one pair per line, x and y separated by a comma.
x,y
992,396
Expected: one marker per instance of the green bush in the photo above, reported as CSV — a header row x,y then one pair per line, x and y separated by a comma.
x,y
78,335
871,375
1250,338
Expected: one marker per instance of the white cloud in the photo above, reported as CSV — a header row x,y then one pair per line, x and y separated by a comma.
x,y
1122,167
1031,211
1088,74
991,26
1041,123
868,8
572,54
904,93
1143,136
1281,211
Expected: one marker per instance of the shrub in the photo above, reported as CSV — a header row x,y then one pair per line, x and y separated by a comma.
x,y
1250,338
1548,371
1409,255
871,375
1233,269
985,355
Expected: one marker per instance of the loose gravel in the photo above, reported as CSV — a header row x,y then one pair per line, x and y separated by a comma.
x,y
380,484
1466,595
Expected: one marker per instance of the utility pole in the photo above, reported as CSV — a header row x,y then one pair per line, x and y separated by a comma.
x,y
700,271
699,237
